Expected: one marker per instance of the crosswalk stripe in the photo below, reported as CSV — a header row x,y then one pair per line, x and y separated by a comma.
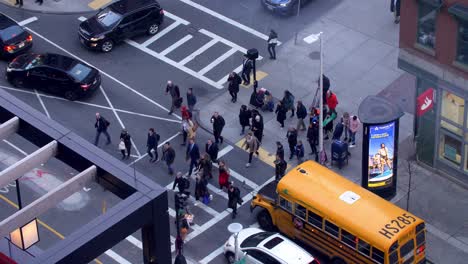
x,y
217,61
134,241
176,45
116,257
160,34
176,18
265,156
198,51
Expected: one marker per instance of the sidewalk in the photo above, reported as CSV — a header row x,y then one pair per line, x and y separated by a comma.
x,y
60,6
360,58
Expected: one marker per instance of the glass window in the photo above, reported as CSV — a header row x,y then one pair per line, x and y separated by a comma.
x,y
261,256
364,247
453,108
420,238
426,25
348,238
255,239
10,32
377,255
407,248
300,211
315,219
285,204
108,18
450,149
332,229
79,71
462,51
273,242
394,257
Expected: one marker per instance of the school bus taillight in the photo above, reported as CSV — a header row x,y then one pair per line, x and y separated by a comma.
x,y
421,249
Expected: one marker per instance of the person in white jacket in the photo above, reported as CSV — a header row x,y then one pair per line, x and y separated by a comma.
x,y
272,42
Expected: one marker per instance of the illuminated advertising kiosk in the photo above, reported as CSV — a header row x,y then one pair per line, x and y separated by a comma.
x,y
380,123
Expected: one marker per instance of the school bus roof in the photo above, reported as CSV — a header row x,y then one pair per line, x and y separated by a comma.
x,y
317,187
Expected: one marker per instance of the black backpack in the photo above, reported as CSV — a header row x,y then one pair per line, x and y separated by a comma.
x,y
186,183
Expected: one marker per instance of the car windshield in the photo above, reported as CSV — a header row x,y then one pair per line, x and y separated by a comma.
x,y
10,32
79,71
36,61
254,240
108,18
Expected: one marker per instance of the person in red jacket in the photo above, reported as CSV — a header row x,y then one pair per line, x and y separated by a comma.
x,y
332,101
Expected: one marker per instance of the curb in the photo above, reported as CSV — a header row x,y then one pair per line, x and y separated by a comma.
x,y
49,12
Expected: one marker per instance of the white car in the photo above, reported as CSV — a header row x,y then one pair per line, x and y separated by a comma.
x,y
258,246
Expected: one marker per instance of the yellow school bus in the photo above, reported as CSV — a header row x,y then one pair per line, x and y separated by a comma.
x,y
342,220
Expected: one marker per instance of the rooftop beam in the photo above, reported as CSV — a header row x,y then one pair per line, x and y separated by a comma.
x,y
9,127
28,163
47,201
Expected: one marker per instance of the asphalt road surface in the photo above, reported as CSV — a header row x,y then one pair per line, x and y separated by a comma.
x,y
197,46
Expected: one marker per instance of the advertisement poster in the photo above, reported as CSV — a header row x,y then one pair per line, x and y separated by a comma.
x,y
381,151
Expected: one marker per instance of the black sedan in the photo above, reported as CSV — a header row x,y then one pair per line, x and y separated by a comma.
x,y
14,39
284,7
54,73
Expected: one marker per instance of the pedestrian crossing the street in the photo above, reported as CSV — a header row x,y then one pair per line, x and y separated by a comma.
x,y
232,56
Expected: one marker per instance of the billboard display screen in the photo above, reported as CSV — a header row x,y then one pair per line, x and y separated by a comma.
x,y
381,155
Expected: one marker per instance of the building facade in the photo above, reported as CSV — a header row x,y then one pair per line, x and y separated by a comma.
x,y
434,48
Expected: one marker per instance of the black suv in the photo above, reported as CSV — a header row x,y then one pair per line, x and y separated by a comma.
x,y
119,21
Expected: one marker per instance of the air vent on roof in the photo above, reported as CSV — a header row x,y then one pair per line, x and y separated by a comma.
x,y
349,197
302,171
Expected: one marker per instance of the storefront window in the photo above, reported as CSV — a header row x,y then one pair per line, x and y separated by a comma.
x,y
450,149
426,25
462,52
453,109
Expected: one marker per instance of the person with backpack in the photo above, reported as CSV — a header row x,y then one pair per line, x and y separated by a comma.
x,y
218,124
251,144
191,99
101,126
301,113
127,142
338,132
288,101
244,118
233,85
234,198
168,156
152,144
291,135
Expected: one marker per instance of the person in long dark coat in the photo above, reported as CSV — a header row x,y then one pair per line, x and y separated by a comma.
x,y
192,154
288,101
218,124
292,141
280,167
395,9
234,199
234,80
280,113
212,150
201,189
174,91
257,127
152,144
205,166
247,67
168,156
279,150
244,118
312,137
126,138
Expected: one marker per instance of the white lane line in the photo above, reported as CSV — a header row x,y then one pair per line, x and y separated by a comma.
x,y
160,34
217,61
118,118
225,151
174,64
176,18
224,79
198,51
217,191
160,145
116,257
27,21
102,72
176,45
212,255
90,104
42,103
224,41
137,243
226,19
15,147
82,18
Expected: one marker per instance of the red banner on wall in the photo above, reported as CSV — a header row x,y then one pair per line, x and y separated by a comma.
x,y
425,102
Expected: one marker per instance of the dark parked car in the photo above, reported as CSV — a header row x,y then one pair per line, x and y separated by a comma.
x,y
14,39
54,73
119,21
283,7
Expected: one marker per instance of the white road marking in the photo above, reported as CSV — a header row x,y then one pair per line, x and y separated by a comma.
x,y
134,241
86,189
27,21
116,257
217,61
176,45
226,19
42,103
176,18
225,151
224,41
199,51
91,104
174,64
160,145
118,118
160,34
224,79
217,191
241,178
212,255
102,72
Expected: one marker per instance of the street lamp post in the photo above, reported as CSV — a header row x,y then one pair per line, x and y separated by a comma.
x,y
235,228
311,39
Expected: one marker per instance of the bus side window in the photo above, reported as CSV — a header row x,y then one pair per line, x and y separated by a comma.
x,y
285,204
348,238
300,211
364,248
315,219
332,229
377,255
